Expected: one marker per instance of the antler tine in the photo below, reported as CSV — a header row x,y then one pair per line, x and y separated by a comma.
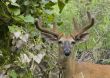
x,y
39,25
89,15
54,26
75,24
91,23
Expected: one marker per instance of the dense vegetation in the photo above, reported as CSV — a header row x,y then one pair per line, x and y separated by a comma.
x,y
23,51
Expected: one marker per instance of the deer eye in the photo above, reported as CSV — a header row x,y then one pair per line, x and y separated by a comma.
x,y
73,42
60,42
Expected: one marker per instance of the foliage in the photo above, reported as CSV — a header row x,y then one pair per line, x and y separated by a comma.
x,y
17,19
21,44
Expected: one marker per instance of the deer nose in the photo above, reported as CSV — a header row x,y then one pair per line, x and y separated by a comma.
x,y
67,52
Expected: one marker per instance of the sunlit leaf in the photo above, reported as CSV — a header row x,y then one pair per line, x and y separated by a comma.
x,y
16,11
29,18
38,58
15,28
54,1
13,1
15,4
24,58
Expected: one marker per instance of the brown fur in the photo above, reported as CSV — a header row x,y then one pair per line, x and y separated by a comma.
x,y
73,69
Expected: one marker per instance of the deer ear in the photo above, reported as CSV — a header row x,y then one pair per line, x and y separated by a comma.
x,y
49,37
82,37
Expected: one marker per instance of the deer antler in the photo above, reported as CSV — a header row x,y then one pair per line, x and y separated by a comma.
x,y
75,25
91,23
39,25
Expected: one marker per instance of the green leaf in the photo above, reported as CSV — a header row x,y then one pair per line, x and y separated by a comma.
x,y
49,5
13,74
26,3
54,1
60,23
19,18
61,5
14,8
29,18
15,28
66,1
15,4
15,11
13,1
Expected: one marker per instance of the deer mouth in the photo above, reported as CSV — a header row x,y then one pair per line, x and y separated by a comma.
x,y
67,54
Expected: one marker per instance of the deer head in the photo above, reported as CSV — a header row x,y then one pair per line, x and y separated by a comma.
x,y
66,42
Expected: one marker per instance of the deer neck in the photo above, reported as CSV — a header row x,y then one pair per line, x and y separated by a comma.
x,y
68,65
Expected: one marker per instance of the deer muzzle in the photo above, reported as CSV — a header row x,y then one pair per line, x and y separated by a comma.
x,y
67,48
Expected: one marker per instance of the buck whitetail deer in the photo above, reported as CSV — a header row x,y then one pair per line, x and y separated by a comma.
x,y
70,67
